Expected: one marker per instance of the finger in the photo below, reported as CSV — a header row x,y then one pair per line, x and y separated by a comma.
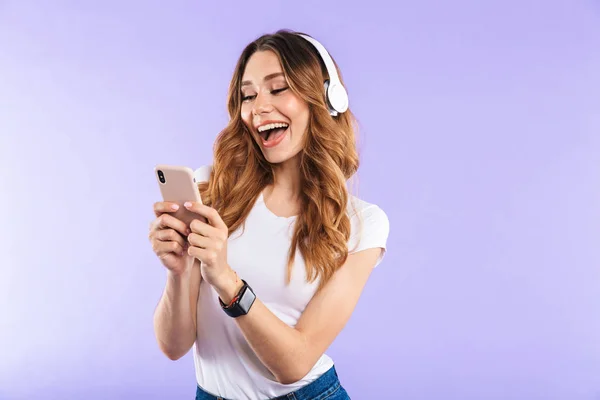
x,y
170,235
161,248
165,206
197,240
207,212
166,256
204,229
204,255
195,207
165,221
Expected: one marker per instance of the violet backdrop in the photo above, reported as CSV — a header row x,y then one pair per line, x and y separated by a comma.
x,y
480,138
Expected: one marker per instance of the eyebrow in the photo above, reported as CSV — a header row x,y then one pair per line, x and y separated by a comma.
x,y
266,78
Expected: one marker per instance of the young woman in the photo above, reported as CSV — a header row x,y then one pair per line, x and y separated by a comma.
x,y
263,285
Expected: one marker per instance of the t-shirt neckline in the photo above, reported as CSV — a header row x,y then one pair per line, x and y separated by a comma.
x,y
261,199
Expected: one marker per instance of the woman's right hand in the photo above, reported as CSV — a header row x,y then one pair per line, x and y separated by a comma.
x,y
168,236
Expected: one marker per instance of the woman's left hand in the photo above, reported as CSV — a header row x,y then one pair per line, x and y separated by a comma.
x,y
208,243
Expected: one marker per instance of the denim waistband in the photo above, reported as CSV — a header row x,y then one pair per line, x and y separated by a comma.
x,y
320,388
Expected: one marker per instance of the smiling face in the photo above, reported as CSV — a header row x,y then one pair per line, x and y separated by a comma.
x,y
272,112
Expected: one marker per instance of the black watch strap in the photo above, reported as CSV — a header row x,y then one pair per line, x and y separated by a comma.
x,y
242,304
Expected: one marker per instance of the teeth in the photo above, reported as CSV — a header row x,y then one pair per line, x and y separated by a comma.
x,y
272,126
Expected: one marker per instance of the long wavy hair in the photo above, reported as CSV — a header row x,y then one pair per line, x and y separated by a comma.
x,y
329,158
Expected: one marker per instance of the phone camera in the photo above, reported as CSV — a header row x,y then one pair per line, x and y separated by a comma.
x,y
161,176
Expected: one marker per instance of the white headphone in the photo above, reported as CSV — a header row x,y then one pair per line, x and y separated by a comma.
x,y
335,93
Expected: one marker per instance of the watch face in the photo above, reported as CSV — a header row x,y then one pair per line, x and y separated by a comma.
x,y
242,305
247,300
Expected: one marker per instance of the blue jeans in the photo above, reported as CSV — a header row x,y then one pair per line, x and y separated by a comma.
x,y
327,386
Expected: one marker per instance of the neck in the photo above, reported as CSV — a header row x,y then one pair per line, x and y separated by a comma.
x,y
287,179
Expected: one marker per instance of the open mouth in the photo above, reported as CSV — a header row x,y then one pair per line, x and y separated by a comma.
x,y
272,132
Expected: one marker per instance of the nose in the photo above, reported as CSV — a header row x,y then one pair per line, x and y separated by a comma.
x,y
262,105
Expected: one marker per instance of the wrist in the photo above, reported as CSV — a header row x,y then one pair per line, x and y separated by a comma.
x,y
179,276
228,286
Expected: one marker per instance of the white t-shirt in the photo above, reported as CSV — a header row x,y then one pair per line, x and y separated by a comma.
x,y
225,364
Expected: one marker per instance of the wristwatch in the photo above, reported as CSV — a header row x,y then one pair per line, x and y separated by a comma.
x,y
241,303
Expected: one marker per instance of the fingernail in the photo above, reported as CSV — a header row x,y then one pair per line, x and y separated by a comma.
x,y
174,207
187,204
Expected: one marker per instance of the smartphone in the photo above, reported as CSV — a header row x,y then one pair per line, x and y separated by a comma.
x,y
177,185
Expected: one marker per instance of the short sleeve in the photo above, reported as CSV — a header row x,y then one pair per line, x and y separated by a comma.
x,y
202,174
370,229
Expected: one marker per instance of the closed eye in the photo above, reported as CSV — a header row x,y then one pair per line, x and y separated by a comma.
x,y
277,91
274,92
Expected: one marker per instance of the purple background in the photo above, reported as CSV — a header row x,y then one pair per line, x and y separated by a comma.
x,y
480,137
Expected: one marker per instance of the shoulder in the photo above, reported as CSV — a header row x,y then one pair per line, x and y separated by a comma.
x,y
370,226
202,173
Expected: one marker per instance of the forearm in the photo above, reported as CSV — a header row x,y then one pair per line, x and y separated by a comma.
x,y
281,348
173,320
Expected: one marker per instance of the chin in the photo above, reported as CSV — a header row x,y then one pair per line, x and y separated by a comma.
x,y
279,157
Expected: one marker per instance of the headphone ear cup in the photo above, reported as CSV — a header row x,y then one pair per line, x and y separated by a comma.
x,y
326,92
337,97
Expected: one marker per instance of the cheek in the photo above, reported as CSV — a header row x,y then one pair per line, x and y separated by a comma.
x,y
295,109
245,113
300,116
289,106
